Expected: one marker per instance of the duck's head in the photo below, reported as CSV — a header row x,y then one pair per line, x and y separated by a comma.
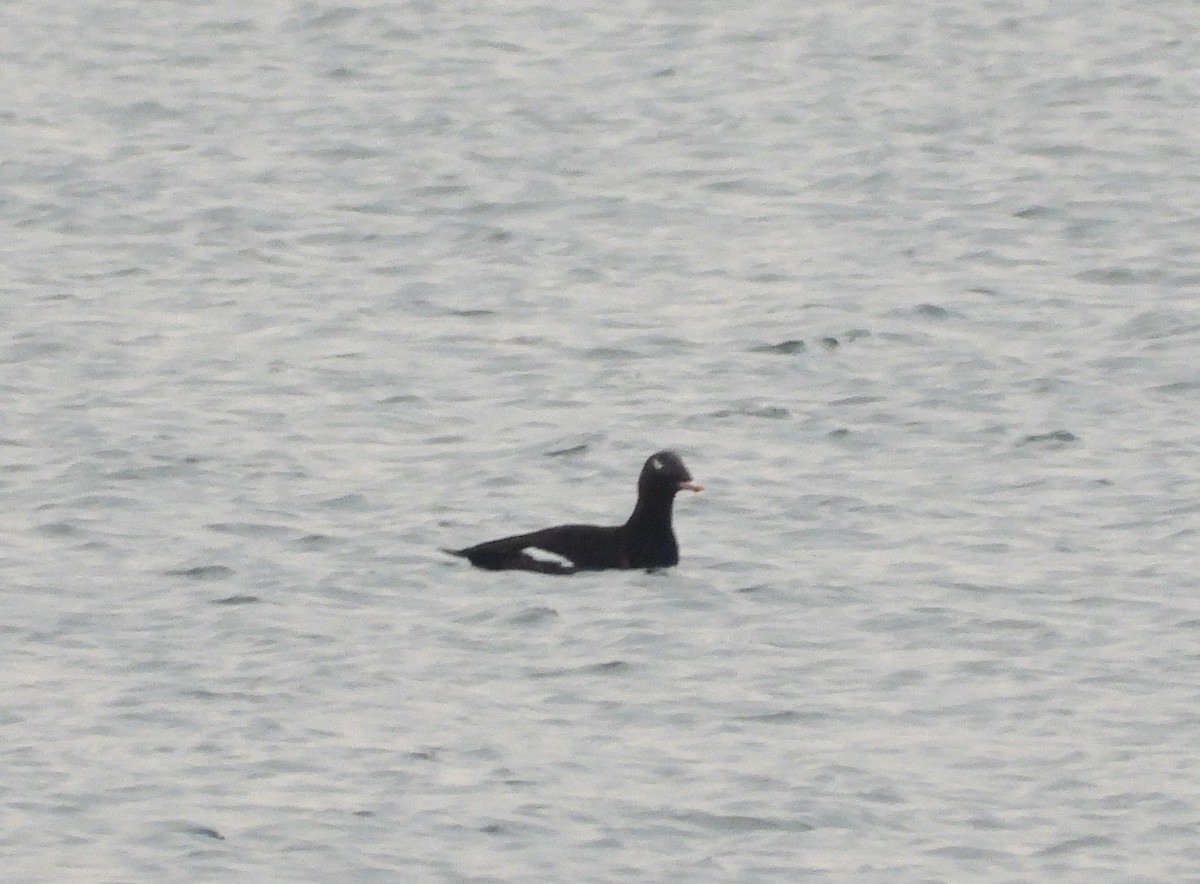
x,y
665,473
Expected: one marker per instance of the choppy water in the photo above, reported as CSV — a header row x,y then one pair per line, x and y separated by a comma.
x,y
293,294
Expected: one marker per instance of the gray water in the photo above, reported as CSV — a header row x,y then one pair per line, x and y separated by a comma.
x,y
295,294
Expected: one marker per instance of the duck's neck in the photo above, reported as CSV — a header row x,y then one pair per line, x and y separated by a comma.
x,y
652,509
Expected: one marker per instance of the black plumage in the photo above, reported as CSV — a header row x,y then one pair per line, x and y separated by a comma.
x,y
646,540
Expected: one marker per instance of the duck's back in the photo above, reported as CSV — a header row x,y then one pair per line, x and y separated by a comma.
x,y
586,547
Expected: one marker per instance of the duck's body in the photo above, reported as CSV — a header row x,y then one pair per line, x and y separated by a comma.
x,y
646,540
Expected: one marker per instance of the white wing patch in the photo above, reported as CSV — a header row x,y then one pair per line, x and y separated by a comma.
x,y
552,558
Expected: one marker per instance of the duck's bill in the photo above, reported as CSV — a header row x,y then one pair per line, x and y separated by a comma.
x,y
690,486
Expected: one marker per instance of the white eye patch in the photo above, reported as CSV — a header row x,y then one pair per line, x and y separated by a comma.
x,y
656,463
